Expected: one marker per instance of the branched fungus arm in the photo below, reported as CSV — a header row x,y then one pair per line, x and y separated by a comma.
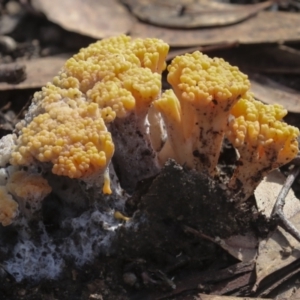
x,y
263,140
8,207
206,90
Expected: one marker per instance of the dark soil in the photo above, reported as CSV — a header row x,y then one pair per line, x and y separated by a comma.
x,y
157,246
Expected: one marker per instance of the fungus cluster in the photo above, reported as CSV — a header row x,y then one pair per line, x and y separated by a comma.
x,y
105,111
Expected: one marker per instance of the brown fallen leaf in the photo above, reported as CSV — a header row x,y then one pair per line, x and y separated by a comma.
x,y
273,59
94,18
296,295
274,282
271,92
219,282
215,297
242,247
267,192
200,13
288,290
39,71
264,27
176,52
244,281
280,250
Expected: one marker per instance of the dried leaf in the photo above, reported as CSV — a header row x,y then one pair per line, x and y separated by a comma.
x,y
273,282
266,194
271,92
288,290
233,285
94,18
296,295
262,28
39,72
200,13
280,249
275,60
220,281
242,247
215,297
176,52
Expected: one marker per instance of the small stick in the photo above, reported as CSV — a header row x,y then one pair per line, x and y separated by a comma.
x,y
277,212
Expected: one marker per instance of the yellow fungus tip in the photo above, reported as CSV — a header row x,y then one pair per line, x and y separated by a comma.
x,y
119,216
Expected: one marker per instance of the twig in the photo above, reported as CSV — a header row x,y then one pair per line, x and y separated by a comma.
x,y
277,212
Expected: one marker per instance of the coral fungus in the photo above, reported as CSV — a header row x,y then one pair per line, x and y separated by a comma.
x,y
105,111
102,126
